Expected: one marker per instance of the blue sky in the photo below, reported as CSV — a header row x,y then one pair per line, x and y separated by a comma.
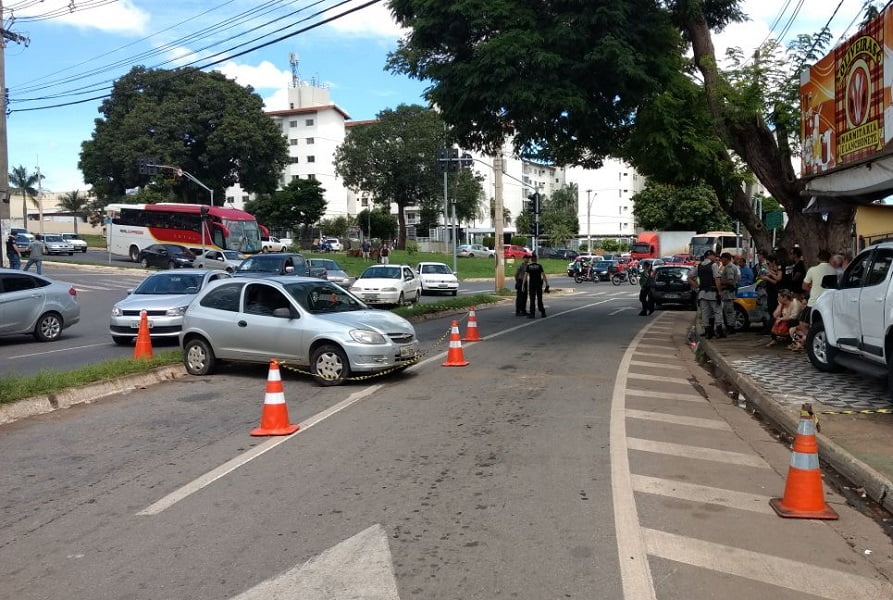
x,y
102,39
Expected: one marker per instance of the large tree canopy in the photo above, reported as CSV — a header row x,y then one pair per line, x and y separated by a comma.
x,y
394,159
562,79
204,123
676,208
301,204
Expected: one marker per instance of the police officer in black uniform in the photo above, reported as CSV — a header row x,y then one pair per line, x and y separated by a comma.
x,y
534,280
520,291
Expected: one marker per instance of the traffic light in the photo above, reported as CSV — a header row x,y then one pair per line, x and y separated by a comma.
x,y
147,165
454,160
466,160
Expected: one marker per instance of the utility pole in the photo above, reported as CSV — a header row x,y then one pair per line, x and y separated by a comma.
x,y
4,155
588,221
497,218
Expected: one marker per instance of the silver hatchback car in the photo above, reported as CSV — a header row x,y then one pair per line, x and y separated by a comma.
x,y
36,305
301,320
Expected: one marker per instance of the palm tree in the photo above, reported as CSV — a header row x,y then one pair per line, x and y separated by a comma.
x,y
25,181
74,203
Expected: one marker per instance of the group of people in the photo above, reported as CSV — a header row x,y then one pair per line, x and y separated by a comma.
x,y
791,290
530,283
36,252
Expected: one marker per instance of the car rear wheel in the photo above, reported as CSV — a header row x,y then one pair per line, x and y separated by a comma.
x,y
48,327
401,301
821,354
330,365
122,340
742,319
198,357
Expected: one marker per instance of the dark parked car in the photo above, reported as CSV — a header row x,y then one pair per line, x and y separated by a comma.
x,y
270,265
671,286
170,256
604,269
563,253
23,243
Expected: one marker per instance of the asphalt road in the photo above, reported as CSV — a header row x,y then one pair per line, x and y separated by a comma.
x,y
576,456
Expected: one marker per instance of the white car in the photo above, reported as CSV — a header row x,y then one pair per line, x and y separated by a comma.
x,y
475,251
73,239
334,244
272,244
437,277
388,284
228,260
55,244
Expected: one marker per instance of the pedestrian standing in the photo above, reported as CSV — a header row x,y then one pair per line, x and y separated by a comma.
x,y
12,251
534,281
646,290
384,253
35,254
520,290
709,301
728,277
365,247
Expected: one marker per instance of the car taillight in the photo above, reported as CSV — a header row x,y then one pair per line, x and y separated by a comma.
x,y
72,291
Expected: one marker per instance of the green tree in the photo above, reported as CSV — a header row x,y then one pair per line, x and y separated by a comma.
x,y
665,207
25,182
75,203
558,215
296,208
377,224
393,158
204,123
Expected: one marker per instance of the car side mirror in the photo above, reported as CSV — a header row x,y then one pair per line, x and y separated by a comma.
x,y
830,282
220,258
284,313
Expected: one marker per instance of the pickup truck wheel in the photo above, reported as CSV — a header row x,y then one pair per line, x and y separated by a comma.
x,y
821,354
264,250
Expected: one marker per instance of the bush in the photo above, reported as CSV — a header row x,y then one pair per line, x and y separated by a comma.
x,y
489,242
519,240
412,247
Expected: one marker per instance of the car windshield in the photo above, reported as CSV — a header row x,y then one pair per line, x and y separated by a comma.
x,y
231,254
261,264
672,274
70,236
176,249
170,283
328,265
323,298
381,272
52,238
441,269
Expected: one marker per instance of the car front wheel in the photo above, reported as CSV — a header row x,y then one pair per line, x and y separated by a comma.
x,y
198,357
144,262
742,320
122,340
330,365
821,353
48,328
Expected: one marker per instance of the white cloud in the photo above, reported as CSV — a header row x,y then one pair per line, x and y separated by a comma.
x,y
375,20
116,17
261,77
277,101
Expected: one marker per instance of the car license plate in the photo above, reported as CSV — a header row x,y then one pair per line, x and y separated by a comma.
x,y
136,325
671,295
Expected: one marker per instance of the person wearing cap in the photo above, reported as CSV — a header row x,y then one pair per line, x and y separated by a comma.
x,y
728,276
12,251
534,280
709,287
520,291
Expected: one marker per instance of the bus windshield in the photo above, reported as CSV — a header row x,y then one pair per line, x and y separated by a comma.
x,y
244,236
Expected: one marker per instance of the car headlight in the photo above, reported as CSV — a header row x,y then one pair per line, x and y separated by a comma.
x,y
116,311
366,336
176,312
389,289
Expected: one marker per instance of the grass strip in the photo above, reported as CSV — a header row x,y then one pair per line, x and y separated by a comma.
x,y
48,381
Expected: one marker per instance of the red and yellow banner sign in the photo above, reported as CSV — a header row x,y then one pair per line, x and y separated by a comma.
x,y
843,101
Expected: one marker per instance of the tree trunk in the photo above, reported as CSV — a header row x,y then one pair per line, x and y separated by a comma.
x,y
749,137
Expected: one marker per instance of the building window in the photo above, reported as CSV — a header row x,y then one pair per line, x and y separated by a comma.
x,y
292,123
310,141
293,160
293,142
364,202
245,198
311,177
295,177
229,199
311,159
308,122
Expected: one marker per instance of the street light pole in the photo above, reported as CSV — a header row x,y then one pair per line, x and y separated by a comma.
x,y
588,221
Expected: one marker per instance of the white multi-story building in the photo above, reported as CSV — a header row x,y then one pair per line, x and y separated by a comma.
x,y
604,202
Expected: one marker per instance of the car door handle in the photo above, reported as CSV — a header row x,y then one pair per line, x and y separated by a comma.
x,y
243,324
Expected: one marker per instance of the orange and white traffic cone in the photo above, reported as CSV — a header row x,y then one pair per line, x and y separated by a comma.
x,y
455,358
143,348
804,497
274,418
471,330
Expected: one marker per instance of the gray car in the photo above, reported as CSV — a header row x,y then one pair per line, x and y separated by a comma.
x,y
56,244
226,260
333,271
164,296
36,305
304,321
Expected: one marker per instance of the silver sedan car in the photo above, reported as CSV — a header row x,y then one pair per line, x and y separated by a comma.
x,y
227,260
333,270
304,321
164,296
36,305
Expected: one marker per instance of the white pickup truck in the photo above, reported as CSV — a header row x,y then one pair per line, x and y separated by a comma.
x,y
273,244
851,324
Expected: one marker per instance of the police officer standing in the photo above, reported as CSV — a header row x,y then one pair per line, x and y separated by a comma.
x,y
709,287
520,290
728,277
534,280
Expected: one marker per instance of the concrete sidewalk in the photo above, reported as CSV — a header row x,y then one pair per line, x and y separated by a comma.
x,y
855,412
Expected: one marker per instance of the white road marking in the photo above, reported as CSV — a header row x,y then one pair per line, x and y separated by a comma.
x,y
642,363
231,465
661,378
650,415
668,353
693,492
772,570
620,310
56,350
696,452
665,395
359,567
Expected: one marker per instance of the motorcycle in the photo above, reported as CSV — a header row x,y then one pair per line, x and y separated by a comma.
x,y
586,275
628,275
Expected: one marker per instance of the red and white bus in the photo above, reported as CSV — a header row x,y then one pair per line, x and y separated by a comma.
x,y
135,226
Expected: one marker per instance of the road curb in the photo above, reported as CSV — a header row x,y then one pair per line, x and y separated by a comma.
x,y
877,486
38,405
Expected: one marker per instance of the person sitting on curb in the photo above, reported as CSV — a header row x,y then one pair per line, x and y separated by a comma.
x,y
786,315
